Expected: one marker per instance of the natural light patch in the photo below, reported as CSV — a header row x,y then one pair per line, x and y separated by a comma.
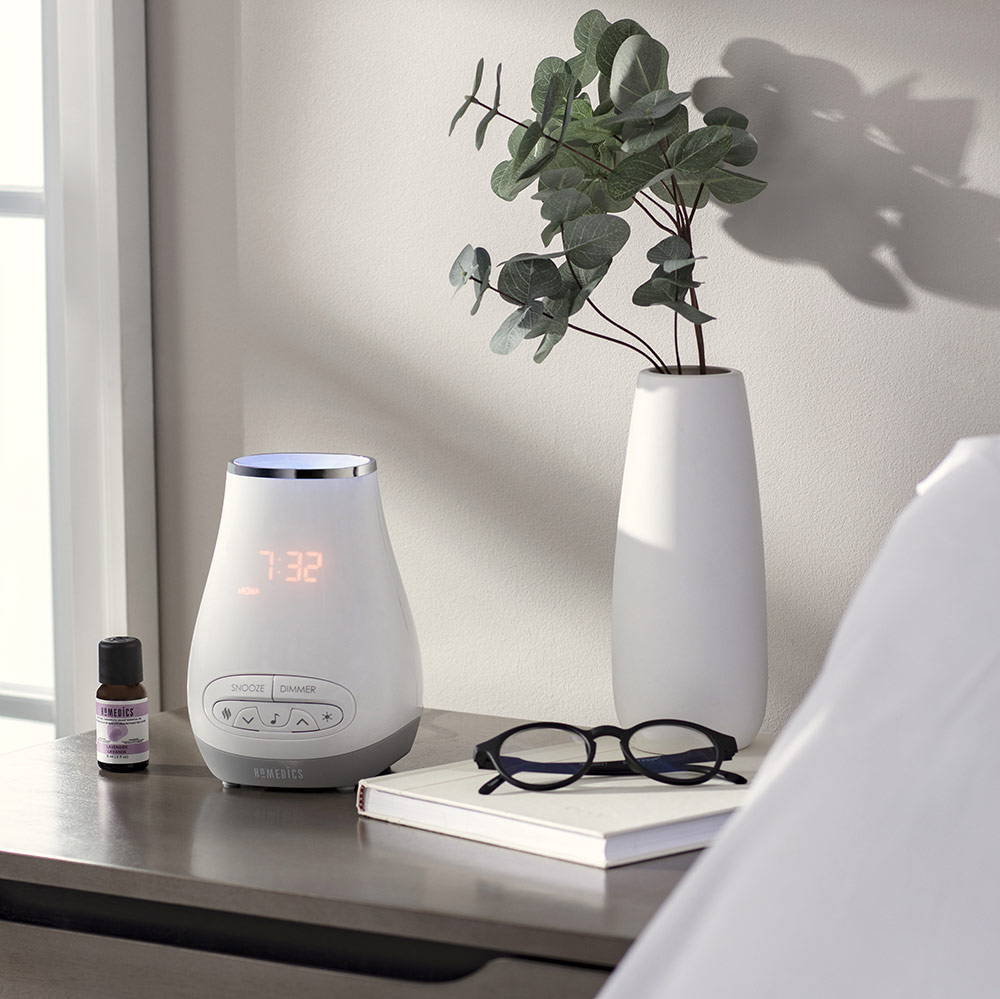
x,y
26,583
881,139
21,150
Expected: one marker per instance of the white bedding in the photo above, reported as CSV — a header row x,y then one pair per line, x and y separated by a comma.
x,y
867,860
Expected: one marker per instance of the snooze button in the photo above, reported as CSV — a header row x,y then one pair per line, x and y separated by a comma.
x,y
306,688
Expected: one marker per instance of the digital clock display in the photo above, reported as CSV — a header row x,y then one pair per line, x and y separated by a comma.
x,y
293,566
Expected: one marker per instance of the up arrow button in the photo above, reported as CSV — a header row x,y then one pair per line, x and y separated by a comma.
x,y
302,721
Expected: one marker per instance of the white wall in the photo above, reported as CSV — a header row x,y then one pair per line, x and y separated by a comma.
x,y
859,296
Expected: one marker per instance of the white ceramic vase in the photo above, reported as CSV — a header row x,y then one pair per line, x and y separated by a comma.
x,y
689,614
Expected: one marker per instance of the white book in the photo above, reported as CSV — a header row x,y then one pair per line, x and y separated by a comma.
x,y
599,821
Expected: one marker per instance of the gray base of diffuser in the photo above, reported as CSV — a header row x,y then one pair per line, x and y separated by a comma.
x,y
326,772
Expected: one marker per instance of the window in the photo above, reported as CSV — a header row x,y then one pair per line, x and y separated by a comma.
x,y
77,506
26,670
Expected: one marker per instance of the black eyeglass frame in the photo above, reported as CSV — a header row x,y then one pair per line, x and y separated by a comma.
x,y
487,755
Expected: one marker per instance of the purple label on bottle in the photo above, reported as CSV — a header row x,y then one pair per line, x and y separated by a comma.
x,y
122,731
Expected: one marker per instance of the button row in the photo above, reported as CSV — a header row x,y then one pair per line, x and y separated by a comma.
x,y
265,687
270,717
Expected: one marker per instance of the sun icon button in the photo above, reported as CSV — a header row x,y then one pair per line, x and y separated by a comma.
x,y
328,715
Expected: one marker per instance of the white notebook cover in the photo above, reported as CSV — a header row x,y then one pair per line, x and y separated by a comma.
x,y
600,821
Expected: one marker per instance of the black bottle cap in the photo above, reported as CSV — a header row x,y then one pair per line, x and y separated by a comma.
x,y
120,660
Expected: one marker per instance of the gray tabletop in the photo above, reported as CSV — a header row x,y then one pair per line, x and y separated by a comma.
x,y
173,834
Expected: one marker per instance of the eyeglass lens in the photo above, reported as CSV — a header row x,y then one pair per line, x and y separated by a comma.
x,y
542,755
674,751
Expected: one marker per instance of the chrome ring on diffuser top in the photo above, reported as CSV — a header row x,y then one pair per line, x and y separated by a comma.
x,y
306,465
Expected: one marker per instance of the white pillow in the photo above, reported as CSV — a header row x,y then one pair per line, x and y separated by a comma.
x,y
867,860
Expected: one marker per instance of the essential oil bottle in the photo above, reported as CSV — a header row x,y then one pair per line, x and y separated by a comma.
x,y
122,706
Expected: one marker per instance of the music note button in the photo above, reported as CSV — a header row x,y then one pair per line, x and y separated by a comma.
x,y
274,715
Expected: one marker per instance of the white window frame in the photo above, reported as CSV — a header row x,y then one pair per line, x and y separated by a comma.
x,y
99,343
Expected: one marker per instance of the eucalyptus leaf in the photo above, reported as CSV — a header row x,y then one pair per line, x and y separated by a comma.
x,y
726,116
535,167
523,280
589,130
551,67
733,188
645,135
530,137
660,291
700,150
593,240
517,134
668,267
514,328
496,95
556,91
689,312
466,104
611,41
639,69
743,150
649,107
680,281
505,183
562,206
579,282
688,189
549,231
655,291
549,340
671,248
589,29
482,126
597,190
604,91
556,180
546,324
583,68
481,272
461,269
634,173
545,159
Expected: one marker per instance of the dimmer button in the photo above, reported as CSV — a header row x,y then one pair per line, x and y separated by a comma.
x,y
306,688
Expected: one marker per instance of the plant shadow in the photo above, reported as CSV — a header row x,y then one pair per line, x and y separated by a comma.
x,y
865,184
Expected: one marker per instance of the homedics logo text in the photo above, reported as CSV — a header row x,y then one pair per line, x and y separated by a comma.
x,y
278,773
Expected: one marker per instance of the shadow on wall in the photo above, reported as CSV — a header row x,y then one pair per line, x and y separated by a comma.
x,y
861,184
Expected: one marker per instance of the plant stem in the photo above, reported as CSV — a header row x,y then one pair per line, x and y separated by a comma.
x,y
697,197
654,219
661,364
576,277
702,370
698,332
677,348
580,329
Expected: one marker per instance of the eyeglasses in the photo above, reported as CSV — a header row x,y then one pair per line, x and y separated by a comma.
x,y
544,756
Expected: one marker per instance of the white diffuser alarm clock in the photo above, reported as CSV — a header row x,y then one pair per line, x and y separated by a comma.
x,y
304,669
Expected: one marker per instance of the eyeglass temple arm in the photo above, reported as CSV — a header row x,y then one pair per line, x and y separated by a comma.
x,y
491,785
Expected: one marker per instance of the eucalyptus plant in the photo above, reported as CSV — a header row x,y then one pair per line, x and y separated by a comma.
x,y
594,161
